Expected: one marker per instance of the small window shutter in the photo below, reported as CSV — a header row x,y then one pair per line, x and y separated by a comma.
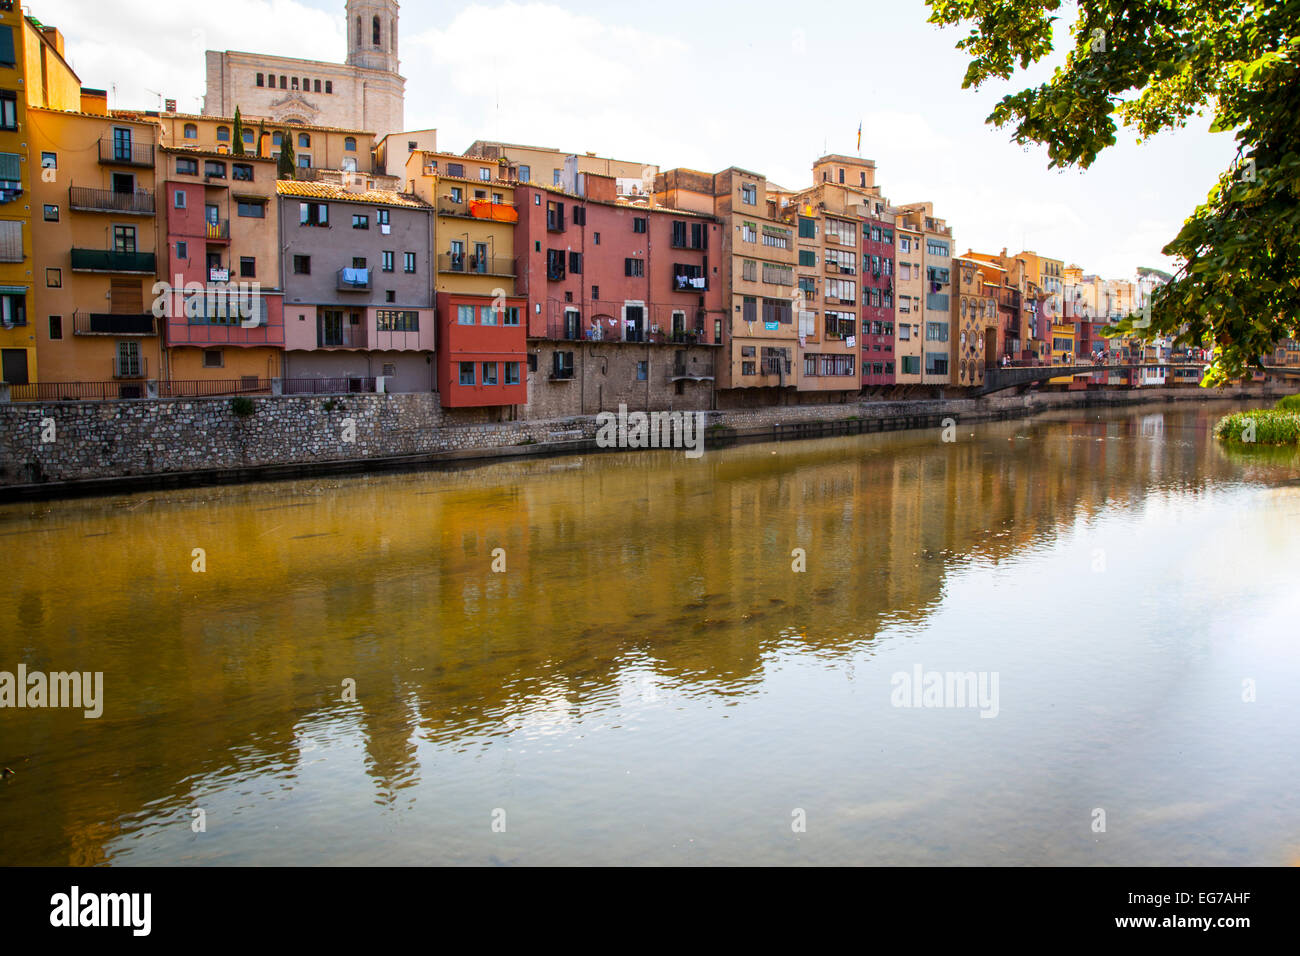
x,y
7,45
11,241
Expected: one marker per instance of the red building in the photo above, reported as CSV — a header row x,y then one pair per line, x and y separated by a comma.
x,y
877,342
222,306
482,350
598,270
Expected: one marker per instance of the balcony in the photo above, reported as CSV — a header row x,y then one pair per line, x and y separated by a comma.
x,y
354,280
113,323
689,283
137,203
109,260
218,230
476,265
114,153
135,367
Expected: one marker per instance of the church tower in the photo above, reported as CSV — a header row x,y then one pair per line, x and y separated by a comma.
x,y
372,35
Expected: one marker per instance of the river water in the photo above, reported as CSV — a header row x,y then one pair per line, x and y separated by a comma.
x,y
651,681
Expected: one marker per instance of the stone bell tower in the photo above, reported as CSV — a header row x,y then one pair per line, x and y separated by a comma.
x,y
372,35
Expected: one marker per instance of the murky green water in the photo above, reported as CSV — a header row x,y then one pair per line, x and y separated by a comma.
x,y
649,681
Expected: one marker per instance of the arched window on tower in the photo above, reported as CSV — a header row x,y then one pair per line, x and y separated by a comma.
x,y
376,33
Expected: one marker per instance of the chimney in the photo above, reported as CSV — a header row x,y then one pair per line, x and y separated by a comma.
x,y
94,102
54,37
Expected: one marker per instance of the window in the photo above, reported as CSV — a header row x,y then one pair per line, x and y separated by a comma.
x,y
484,174
408,263
489,373
293,83
464,315
213,358
315,86
749,311
304,161
51,161
642,371
749,270
250,210
525,174
808,257
223,134
124,238
182,250
56,326
510,315
248,267
749,194
936,248
777,238
360,222
261,80
911,364
8,109
936,363
242,172
213,169
329,86
392,320
51,213
807,228
554,264
555,216
748,368
456,169
284,82
387,261
778,310
634,267
314,214
749,232
512,373
555,177
845,232
54,278
575,263
381,217
302,265
775,274
466,373
487,315
191,131
638,223
304,140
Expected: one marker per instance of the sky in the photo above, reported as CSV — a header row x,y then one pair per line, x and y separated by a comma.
x,y
764,85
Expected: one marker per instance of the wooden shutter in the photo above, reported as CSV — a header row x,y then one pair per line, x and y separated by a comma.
x,y
126,297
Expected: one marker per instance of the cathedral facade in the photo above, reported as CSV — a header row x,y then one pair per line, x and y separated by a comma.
x,y
364,93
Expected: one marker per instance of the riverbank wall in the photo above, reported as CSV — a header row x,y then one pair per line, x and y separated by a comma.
x,y
61,449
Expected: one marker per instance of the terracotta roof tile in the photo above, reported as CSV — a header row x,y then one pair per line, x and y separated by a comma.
x,y
373,197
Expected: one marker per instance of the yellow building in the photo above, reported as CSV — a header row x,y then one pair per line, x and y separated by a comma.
x,y
935,254
974,323
25,49
474,233
95,246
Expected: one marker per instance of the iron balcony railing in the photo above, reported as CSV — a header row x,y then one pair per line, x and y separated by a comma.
x,y
110,323
109,260
140,202
476,265
125,153
218,228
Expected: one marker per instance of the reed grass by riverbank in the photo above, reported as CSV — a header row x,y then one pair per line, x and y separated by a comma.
x,y
1264,426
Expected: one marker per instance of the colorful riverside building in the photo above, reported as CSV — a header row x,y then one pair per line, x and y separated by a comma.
x,y
829,219
878,341
96,246
482,346
358,291
756,259
22,47
624,301
222,307
935,255
974,323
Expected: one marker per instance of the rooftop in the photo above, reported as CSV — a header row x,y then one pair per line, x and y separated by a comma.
x,y
372,197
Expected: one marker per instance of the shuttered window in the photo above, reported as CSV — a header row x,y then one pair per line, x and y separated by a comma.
x,y
126,297
7,46
11,241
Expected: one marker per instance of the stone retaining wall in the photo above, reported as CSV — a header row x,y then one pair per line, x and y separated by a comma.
x,y
83,441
